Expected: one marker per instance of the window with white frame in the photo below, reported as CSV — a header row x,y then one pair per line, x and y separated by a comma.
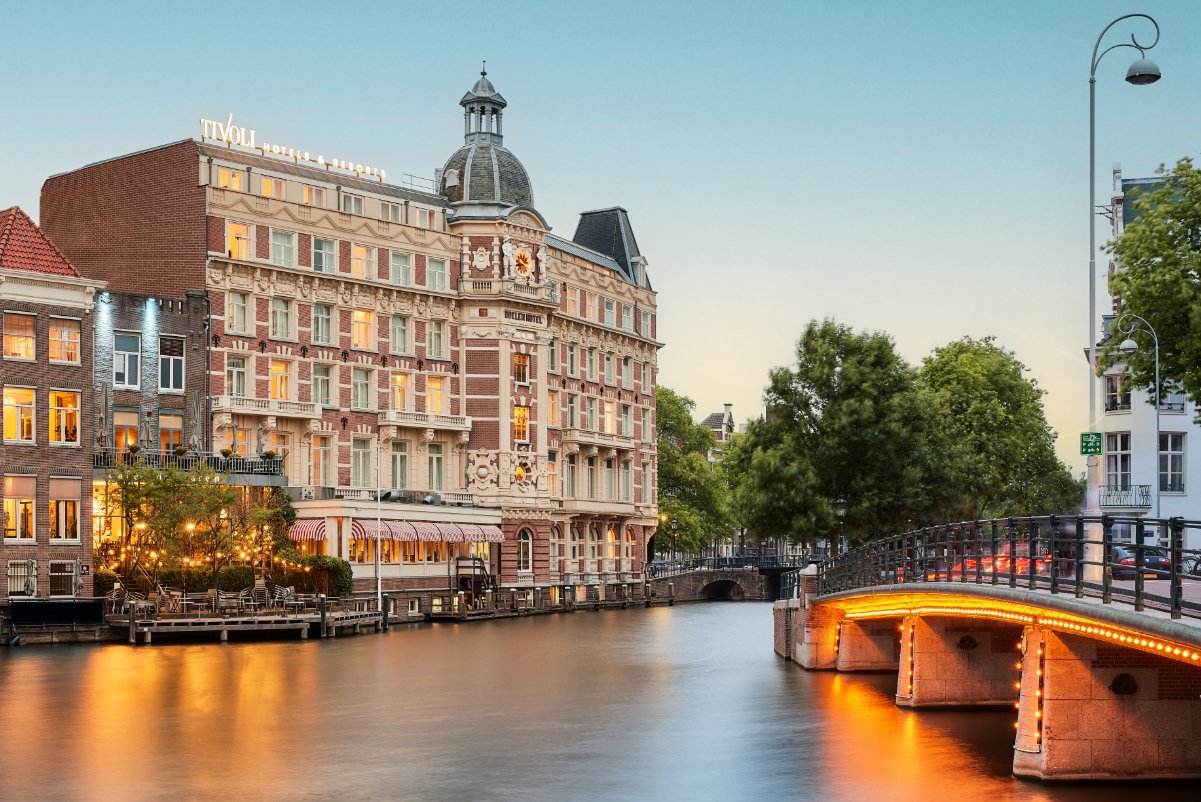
x,y
521,368
1117,460
19,338
525,559
283,248
609,422
435,274
21,580
170,432
572,405
64,508
312,196
170,364
19,414
237,321
644,492
1173,397
127,355
552,360
237,240
590,359
610,313
280,384
360,388
399,335
1117,393
569,478
281,318
362,329
645,327
389,211
229,178
400,465
552,473
323,461
435,395
593,304
627,374
20,493
321,385
627,482
435,345
647,429
573,301
402,268
325,255
272,187
589,414
235,376
590,478
1171,462
626,425
62,577
646,378
425,218
323,326
352,204
521,424
64,417
399,396
360,462
552,409
572,365
610,378
360,260
64,341
435,466
627,317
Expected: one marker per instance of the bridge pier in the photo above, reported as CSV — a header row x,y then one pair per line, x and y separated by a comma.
x,y
948,662
1097,711
867,646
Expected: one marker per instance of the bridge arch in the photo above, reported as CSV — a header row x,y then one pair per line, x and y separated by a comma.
x,y
723,590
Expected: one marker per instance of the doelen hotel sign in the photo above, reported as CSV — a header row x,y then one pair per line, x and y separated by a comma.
x,y
244,137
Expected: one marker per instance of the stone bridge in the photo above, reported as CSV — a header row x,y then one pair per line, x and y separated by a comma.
x,y
1106,681
711,584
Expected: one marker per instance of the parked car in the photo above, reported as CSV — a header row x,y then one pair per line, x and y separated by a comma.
x,y
1156,562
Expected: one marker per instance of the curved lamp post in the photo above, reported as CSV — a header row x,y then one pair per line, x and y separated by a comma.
x,y
1143,71
840,512
1128,324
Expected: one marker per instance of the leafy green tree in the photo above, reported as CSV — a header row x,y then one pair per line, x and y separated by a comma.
x,y
692,491
994,414
1159,278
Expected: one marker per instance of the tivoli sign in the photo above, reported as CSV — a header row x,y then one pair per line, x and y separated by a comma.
x,y
244,137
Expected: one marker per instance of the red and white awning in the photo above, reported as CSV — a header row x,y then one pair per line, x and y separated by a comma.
x,y
308,529
366,529
424,531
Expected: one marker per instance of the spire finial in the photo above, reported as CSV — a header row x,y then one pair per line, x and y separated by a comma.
x,y
484,69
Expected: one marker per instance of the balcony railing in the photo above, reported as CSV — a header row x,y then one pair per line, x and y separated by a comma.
x,y
110,458
1127,496
1117,405
425,420
511,287
266,406
597,438
442,497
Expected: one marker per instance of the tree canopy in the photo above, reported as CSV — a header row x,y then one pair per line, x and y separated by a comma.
x,y
692,491
1159,278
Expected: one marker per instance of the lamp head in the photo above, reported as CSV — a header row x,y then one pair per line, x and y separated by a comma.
x,y
1143,71
840,507
1128,346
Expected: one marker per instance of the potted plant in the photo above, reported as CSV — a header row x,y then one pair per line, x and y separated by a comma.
x,y
227,452
180,450
269,454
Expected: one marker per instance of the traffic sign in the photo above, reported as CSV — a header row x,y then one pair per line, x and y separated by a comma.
x,y
1090,442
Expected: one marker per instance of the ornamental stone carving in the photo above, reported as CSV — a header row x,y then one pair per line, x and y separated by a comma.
x,y
482,470
480,260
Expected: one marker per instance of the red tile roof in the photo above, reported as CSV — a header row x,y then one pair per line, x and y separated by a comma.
x,y
23,246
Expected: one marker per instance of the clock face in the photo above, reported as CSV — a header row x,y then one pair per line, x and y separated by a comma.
x,y
523,263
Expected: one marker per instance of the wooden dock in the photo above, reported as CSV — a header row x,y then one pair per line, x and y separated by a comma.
x,y
148,629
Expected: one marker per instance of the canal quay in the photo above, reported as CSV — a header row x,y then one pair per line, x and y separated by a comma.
x,y
680,702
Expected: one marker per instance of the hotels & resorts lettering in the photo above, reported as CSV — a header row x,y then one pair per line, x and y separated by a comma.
x,y
244,137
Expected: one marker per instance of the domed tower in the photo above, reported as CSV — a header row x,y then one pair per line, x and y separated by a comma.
x,y
483,178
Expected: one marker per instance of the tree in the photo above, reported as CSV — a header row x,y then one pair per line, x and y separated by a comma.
x,y
1159,279
995,415
692,491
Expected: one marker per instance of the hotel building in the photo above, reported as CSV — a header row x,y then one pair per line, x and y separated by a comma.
x,y
433,340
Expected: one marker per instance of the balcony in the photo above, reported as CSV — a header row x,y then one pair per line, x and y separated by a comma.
x,y
106,459
425,420
1127,497
437,497
599,439
511,288
266,406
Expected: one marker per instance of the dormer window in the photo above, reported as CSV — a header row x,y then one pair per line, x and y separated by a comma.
x,y
352,204
229,178
272,188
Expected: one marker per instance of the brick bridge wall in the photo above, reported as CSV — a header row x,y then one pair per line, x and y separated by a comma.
x,y
691,586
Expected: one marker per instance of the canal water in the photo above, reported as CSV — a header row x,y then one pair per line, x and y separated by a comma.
x,y
683,703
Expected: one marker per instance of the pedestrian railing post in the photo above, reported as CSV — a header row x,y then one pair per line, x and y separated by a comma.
x,y
1079,566
1013,552
996,548
1176,528
1053,546
1031,554
1140,560
1106,559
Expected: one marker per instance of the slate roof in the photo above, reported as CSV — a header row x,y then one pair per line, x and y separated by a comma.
x,y
487,173
23,246
576,249
483,90
715,421
608,231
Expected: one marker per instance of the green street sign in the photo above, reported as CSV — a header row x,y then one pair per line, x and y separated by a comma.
x,y
1090,442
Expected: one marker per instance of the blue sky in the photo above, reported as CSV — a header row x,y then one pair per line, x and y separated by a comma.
x,y
916,167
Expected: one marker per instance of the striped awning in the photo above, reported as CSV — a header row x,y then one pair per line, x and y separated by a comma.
x,y
308,529
425,531
366,529
428,531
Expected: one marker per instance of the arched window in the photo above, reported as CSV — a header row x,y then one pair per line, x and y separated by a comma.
x,y
525,561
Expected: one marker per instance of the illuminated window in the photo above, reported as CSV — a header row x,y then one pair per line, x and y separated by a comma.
x,y
400,391
170,364
323,333
552,409
521,368
170,432
229,178
272,188
435,345
64,417
573,301
323,461
321,385
18,336
283,248
281,318
608,424
239,441
127,353
360,463
312,196
400,465
435,399
236,318
237,240
436,274
279,389
125,430
235,376
435,466
64,341
19,495
360,388
361,329
552,473
18,414
389,211
64,510
400,335
521,424
402,269
352,203
281,443
593,311
360,261
325,255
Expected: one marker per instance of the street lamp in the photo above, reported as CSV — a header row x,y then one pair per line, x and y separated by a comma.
x,y
674,524
840,512
1128,324
1141,72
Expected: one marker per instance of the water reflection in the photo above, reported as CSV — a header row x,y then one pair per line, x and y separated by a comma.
x,y
680,703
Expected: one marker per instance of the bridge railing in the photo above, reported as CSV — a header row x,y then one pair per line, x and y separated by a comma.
x,y
659,569
1138,560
